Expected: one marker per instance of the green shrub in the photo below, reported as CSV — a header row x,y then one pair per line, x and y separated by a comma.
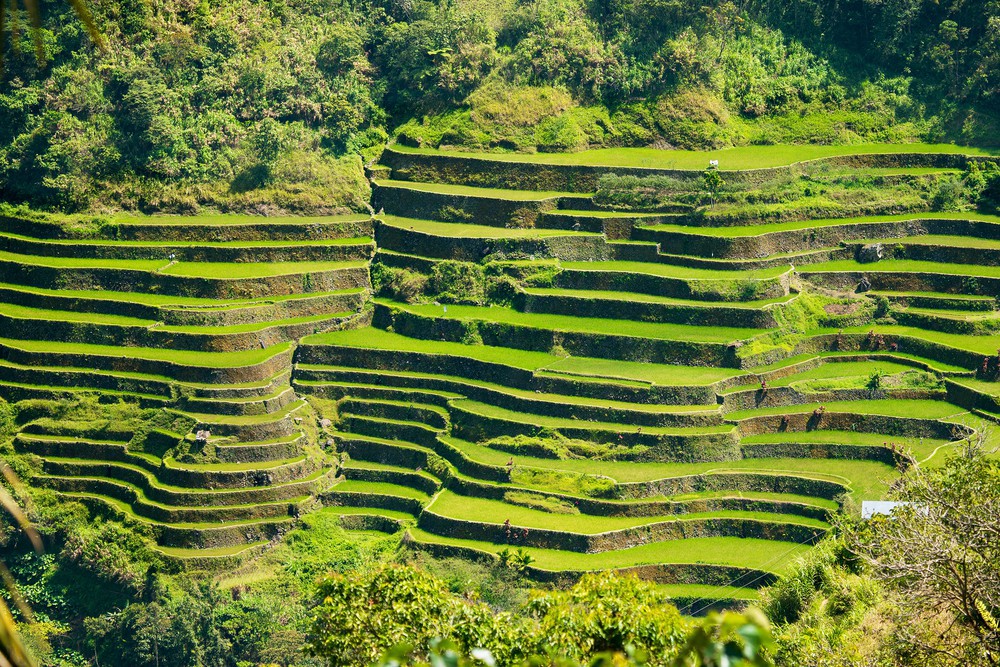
x,y
949,195
398,284
458,282
539,502
8,419
551,444
358,617
608,612
563,482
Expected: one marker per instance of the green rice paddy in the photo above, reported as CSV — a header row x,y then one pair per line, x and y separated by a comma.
x,y
536,436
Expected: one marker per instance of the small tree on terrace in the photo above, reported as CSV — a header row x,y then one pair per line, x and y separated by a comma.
x,y
941,553
713,182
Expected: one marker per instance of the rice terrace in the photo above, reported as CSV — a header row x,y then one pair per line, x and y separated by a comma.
x,y
613,382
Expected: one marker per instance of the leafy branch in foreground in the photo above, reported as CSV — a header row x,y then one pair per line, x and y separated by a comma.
x,y
941,553
10,25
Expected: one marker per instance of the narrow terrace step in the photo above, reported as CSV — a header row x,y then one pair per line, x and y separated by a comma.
x,y
378,495
675,281
700,441
190,311
614,225
184,365
254,405
474,243
266,450
748,241
783,259
480,520
249,428
580,336
16,391
113,330
647,308
213,560
142,506
315,250
209,229
953,249
964,322
171,495
942,301
366,471
80,378
192,535
909,275
396,430
431,415
62,454
458,203
531,496
698,561
523,369
332,383
188,279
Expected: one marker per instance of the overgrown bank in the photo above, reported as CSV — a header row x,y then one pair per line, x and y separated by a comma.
x,y
272,107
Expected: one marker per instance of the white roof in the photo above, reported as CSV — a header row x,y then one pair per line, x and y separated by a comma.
x,y
870,508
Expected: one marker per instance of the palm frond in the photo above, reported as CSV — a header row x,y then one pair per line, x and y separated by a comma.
x,y
9,25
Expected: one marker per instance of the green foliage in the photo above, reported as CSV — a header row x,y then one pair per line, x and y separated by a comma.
x,y
606,613
457,282
984,181
713,182
500,585
8,419
945,526
177,626
552,444
113,552
190,108
573,483
398,284
539,502
731,639
875,380
320,546
515,560
358,618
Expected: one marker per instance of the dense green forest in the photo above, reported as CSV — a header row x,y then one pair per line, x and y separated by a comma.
x,y
269,106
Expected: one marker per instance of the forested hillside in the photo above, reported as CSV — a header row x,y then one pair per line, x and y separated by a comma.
x,y
270,106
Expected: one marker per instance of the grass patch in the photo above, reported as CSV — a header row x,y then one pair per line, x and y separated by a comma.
x,y
464,230
675,271
868,480
742,157
243,270
636,297
924,409
737,231
180,357
495,512
470,191
558,422
763,554
656,331
379,339
380,488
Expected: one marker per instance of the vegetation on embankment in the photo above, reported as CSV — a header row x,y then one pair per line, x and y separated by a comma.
x,y
273,107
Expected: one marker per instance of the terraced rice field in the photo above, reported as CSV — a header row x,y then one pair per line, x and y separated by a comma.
x,y
683,397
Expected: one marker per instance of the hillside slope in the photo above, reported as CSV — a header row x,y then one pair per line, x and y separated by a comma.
x,y
271,107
